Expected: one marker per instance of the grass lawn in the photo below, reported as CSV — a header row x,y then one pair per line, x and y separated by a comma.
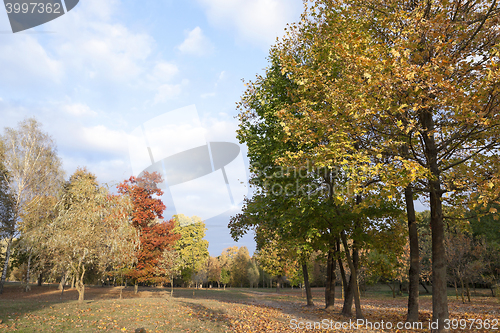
x,y
44,309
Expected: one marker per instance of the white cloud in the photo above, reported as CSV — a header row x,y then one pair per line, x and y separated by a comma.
x,y
107,51
25,63
221,130
101,138
92,45
169,91
79,110
257,21
164,72
207,95
196,43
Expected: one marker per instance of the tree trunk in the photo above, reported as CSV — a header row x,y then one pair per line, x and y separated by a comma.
x,y
439,286
278,284
27,287
63,281
468,290
6,264
348,299
80,286
425,287
73,283
40,279
456,288
172,287
414,273
330,280
357,302
342,274
62,290
136,288
308,286
393,289
462,290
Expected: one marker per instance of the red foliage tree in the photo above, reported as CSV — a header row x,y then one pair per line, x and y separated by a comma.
x,y
155,234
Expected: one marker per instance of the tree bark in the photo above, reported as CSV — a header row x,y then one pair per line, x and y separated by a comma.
x,y
40,279
62,282
468,290
342,274
425,287
307,285
439,286
27,287
80,286
330,280
172,287
414,273
462,290
6,263
354,277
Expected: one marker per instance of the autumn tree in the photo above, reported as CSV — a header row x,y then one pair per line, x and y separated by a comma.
x,y
253,274
412,84
7,222
37,216
225,262
214,270
484,223
308,200
170,265
32,170
92,229
239,268
192,248
156,235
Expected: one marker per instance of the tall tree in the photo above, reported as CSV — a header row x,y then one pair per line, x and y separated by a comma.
x,y
33,168
239,273
382,76
192,248
7,222
36,218
156,235
92,229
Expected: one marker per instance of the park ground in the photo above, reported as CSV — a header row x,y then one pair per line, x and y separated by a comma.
x,y
44,309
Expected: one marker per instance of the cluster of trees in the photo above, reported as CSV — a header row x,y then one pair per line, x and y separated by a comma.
x,y
79,229
365,107
234,267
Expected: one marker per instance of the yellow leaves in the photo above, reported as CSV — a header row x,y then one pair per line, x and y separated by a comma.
x,y
368,77
395,53
410,76
493,210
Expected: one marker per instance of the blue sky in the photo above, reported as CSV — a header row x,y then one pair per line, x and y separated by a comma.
x,y
98,72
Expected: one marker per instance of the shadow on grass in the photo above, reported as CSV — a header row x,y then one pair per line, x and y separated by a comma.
x,y
204,313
